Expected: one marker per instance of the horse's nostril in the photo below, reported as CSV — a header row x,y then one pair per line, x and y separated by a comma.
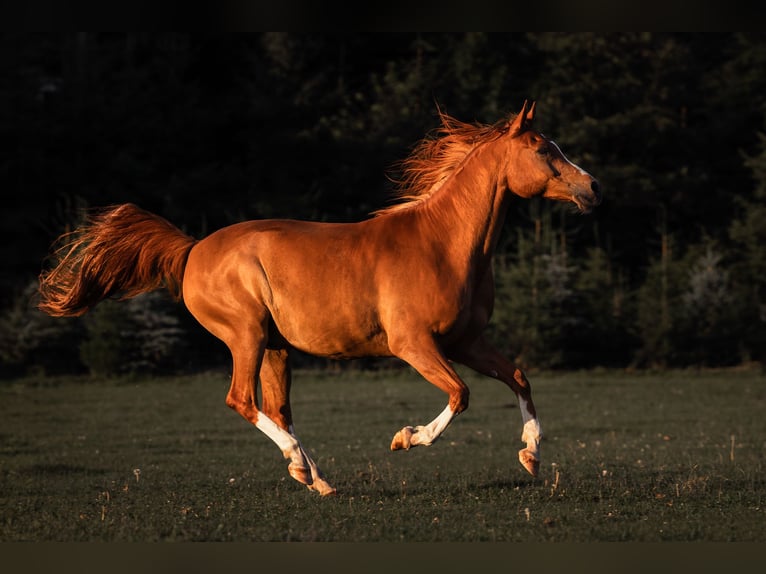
x,y
594,185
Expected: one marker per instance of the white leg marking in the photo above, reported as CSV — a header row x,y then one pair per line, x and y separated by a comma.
x,y
426,435
532,433
318,481
529,457
286,441
423,434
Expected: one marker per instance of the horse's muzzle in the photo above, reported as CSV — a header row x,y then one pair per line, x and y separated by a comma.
x,y
595,187
587,200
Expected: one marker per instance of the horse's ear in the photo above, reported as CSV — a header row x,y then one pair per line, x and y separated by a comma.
x,y
522,120
531,112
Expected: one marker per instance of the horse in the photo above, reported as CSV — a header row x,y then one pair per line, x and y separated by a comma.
x,y
414,280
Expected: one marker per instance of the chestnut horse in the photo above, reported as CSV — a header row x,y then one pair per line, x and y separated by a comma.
x,y
415,281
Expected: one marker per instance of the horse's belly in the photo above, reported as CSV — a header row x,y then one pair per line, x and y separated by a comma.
x,y
331,333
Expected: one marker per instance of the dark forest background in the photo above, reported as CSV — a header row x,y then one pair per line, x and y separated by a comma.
x,y
208,130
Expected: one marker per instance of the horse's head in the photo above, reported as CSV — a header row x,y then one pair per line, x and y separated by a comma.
x,y
539,167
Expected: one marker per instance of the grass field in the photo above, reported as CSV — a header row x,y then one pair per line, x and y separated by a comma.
x,y
626,457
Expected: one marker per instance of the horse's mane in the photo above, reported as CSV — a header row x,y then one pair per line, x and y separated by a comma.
x,y
437,156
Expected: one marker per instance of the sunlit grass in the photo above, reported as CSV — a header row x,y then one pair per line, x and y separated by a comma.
x,y
645,457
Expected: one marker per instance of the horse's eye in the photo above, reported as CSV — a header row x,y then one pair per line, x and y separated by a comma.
x,y
543,151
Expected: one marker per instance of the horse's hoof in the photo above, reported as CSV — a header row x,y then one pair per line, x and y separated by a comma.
x,y
402,439
322,488
300,473
529,461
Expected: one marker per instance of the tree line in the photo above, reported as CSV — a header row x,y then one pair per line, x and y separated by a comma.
x,y
208,130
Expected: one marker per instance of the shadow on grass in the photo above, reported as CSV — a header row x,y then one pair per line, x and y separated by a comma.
x,y
60,469
443,489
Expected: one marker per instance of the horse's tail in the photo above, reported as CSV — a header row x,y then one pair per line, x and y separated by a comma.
x,y
122,251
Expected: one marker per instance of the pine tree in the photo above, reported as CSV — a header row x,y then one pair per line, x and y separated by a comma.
x,y
33,343
748,234
110,345
657,305
708,325
159,336
603,336
536,317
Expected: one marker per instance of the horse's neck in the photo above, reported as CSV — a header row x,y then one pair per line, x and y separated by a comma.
x,y
467,213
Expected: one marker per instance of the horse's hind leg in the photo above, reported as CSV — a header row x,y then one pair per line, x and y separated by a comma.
x,y
229,312
275,378
247,350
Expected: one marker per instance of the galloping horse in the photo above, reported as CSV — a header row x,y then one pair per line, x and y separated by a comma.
x,y
414,281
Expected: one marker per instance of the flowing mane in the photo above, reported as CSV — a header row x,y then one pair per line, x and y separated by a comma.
x,y
436,157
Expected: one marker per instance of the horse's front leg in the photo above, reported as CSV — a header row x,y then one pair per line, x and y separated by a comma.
x,y
424,355
485,359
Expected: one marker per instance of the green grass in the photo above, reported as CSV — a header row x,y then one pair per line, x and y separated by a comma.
x,y
636,457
